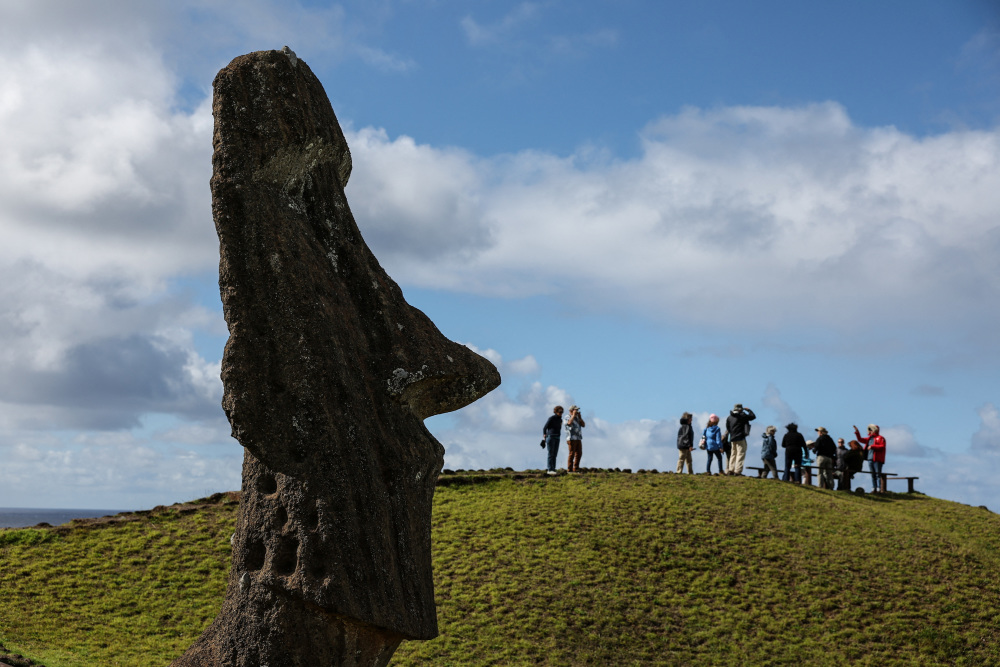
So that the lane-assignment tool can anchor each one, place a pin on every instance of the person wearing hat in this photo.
(769, 452)
(875, 446)
(826, 457)
(574, 438)
(841, 466)
(793, 443)
(737, 430)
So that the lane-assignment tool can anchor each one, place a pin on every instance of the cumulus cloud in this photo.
(526, 365)
(987, 438)
(772, 399)
(103, 204)
(900, 440)
(791, 217)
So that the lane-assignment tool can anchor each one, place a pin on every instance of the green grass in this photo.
(600, 568)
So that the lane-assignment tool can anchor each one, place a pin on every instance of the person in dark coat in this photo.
(841, 464)
(551, 431)
(738, 428)
(854, 461)
(685, 442)
(826, 457)
(793, 443)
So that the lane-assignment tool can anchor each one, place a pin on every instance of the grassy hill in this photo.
(600, 568)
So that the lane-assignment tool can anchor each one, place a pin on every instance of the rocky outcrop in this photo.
(328, 377)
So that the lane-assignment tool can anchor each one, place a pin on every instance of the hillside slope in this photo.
(601, 568)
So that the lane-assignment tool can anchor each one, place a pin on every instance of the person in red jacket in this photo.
(875, 446)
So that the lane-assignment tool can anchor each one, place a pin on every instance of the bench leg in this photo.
(909, 486)
(883, 483)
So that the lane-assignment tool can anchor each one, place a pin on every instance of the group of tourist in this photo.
(835, 461)
(838, 461)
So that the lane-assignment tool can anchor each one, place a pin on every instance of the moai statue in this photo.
(328, 377)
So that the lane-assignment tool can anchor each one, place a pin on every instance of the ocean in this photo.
(22, 517)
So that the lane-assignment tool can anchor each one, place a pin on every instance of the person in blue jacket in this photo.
(712, 436)
(769, 452)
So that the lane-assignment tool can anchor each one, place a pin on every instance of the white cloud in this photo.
(479, 34)
(901, 441)
(987, 438)
(114, 188)
(116, 470)
(526, 365)
(103, 202)
(772, 399)
(773, 217)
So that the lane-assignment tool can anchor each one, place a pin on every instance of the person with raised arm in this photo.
(738, 428)
(574, 438)
(875, 447)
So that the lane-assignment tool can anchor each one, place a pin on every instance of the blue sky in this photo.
(642, 207)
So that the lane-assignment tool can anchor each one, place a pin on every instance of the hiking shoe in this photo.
(551, 472)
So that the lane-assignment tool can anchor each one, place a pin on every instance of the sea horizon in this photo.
(25, 517)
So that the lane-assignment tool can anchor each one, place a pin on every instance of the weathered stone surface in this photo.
(328, 376)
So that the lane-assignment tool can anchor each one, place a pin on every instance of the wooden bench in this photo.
(909, 482)
(807, 476)
(806, 473)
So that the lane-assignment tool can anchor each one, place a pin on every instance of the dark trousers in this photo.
(552, 444)
(797, 460)
(718, 453)
(844, 481)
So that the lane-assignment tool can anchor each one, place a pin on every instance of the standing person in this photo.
(769, 452)
(685, 441)
(826, 457)
(738, 428)
(574, 438)
(551, 431)
(793, 444)
(713, 443)
(841, 464)
(875, 446)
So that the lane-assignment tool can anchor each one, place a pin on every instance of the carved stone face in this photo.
(328, 372)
